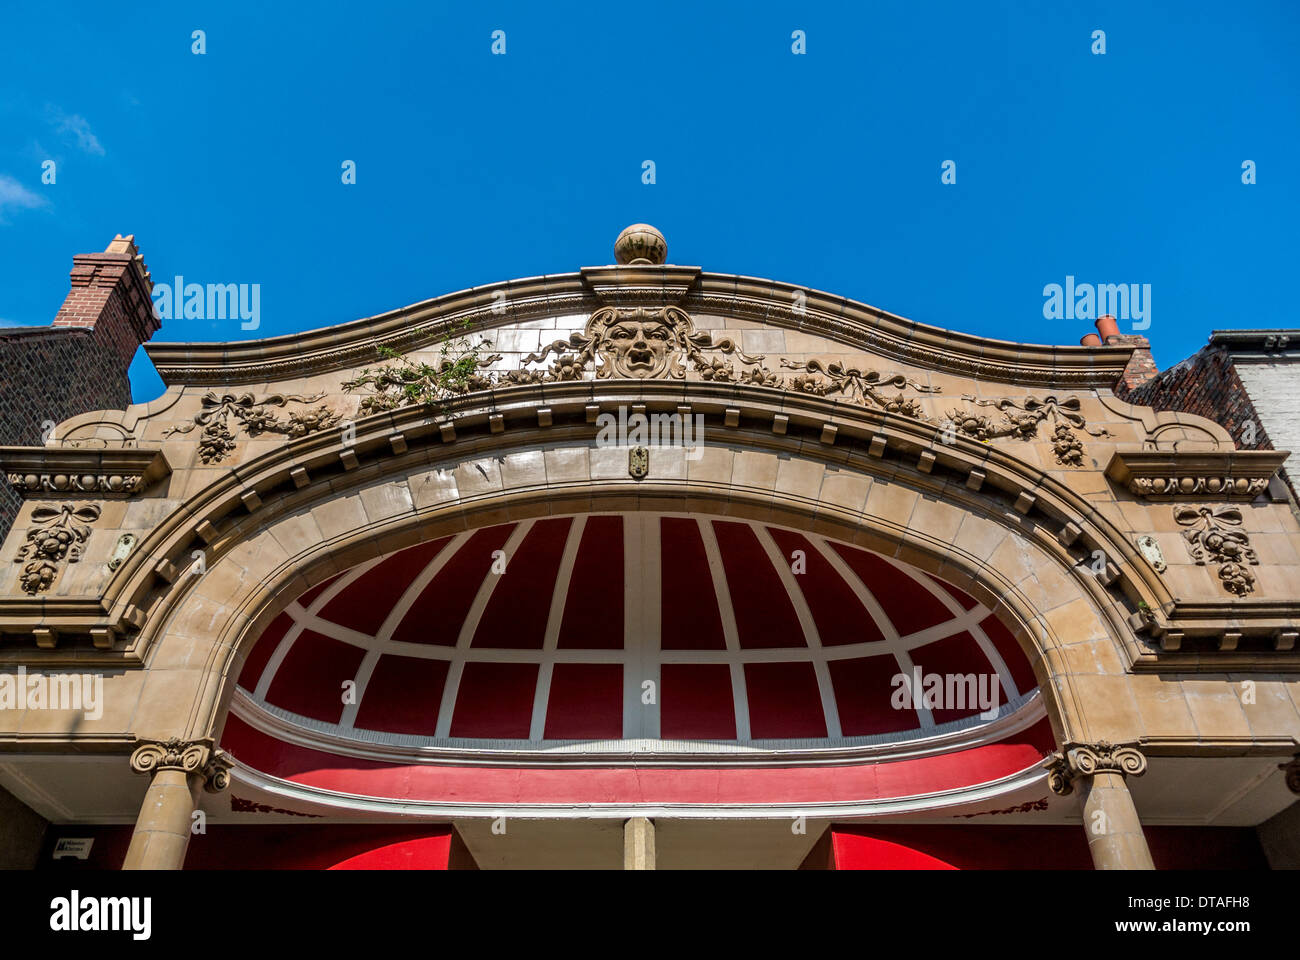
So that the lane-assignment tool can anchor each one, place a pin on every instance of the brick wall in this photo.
(80, 362)
(1141, 366)
(1207, 385)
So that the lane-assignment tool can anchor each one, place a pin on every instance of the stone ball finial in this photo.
(640, 244)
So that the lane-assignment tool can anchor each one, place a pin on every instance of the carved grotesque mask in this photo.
(639, 345)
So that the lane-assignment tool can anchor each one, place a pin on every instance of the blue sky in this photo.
(821, 169)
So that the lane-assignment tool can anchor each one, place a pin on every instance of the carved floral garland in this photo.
(217, 440)
(58, 536)
(1212, 539)
(644, 343)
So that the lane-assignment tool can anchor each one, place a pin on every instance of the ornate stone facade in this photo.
(1134, 558)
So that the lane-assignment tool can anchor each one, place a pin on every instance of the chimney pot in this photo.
(1107, 327)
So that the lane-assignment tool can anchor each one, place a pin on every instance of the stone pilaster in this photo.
(178, 770)
(1115, 837)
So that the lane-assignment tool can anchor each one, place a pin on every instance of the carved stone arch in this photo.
(292, 542)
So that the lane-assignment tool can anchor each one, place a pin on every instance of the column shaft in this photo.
(162, 831)
(1115, 837)
(639, 844)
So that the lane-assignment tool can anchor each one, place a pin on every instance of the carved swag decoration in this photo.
(1022, 419)
(217, 441)
(1212, 539)
(58, 536)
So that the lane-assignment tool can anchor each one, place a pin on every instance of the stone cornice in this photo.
(51, 472)
(1268, 344)
(1209, 475)
(854, 324)
(1272, 624)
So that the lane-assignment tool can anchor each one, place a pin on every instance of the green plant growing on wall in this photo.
(404, 382)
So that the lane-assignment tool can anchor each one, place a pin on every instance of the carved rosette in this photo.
(192, 757)
(1088, 759)
(57, 536)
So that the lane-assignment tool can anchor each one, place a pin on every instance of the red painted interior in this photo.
(586, 702)
(441, 608)
(690, 620)
(310, 680)
(863, 692)
(836, 610)
(1023, 847)
(305, 845)
(514, 622)
(696, 702)
(593, 610)
(765, 618)
(403, 696)
(911, 607)
(1014, 658)
(308, 845)
(368, 600)
(422, 853)
(494, 700)
(956, 654)
(783, 701)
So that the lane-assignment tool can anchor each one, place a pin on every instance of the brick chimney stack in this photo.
(111, 296)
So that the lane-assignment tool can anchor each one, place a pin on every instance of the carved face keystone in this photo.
(640, 346)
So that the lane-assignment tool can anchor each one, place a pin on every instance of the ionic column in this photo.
(178, 770)
(1115, 837)
(639, 844)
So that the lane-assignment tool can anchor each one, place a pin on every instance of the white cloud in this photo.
(14, 196)
(77, 126)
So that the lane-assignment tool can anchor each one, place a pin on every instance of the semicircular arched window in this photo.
(635, 632)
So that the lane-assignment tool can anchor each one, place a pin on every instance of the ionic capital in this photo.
(1087, 759)
(193, 757)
